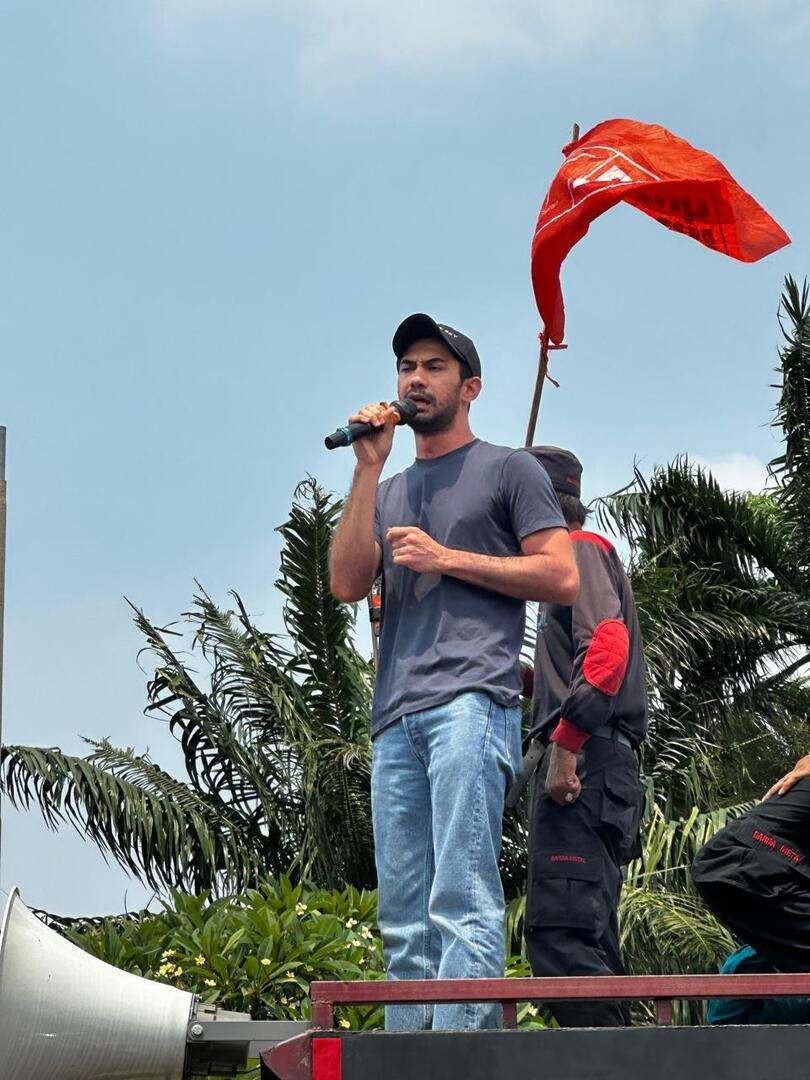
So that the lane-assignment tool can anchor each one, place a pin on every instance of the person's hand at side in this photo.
(562, 782)
(374, 449)
(798, 772)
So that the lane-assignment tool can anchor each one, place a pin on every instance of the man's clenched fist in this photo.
(562, 782)
(413, 548)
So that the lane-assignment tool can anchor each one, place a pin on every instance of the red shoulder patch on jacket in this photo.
(606, 658)
(591, 538)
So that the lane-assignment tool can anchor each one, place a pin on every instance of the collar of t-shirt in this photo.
(427, 463)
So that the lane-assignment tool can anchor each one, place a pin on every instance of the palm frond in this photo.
(792, 467)
(162, 839)
(336, 679)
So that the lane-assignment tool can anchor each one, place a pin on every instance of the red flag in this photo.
(648, 167)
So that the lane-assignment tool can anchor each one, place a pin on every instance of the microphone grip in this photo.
(345, 436)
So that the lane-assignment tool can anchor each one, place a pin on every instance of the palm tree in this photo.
(792, 467)
(276, 745)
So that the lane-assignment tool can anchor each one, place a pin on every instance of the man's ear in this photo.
(470, 389)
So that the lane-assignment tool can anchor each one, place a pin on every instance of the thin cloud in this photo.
(340, 44)
(736, 471)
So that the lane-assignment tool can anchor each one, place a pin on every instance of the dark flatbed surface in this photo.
(663, 1053)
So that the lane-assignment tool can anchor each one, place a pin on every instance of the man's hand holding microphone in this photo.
(355, 559)
(368, 421)
(374, 448)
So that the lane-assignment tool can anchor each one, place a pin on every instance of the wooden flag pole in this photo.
(542, 368)
(542, 363)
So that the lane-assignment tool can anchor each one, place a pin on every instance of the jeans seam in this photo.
(425, 886)
(469, 1007)
(426, 928)
(409, 739)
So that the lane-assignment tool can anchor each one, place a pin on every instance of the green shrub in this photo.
(258, 952)
(255, 953)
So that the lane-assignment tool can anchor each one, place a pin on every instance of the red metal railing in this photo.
(660, 989)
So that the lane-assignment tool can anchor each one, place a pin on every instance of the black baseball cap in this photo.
(419, 326)
(563, 467)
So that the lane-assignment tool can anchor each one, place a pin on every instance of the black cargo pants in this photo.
(576, 855)
(755, 877)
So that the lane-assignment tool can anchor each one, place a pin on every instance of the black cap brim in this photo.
(415, 328)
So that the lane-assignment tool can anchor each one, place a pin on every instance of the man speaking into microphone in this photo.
(463, 538)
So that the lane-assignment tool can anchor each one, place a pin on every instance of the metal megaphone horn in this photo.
(67, 1014)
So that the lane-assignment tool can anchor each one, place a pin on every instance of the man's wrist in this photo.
(569, 737)
(450, 560)
(368, 469)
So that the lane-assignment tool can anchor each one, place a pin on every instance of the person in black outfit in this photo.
(589, 711)
(755, 873)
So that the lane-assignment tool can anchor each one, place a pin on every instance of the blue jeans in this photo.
(438, 782)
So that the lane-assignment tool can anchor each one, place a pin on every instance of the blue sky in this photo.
(213, 213)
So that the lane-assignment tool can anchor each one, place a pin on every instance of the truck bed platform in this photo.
(663, 1052)
(651, 1053)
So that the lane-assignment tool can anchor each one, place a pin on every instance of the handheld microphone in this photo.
(345, 436)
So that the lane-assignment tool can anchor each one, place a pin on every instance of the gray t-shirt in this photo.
(441, 636)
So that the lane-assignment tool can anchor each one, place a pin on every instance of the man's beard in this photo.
(438, 420)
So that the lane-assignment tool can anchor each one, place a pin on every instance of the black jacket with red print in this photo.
(589, 664)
